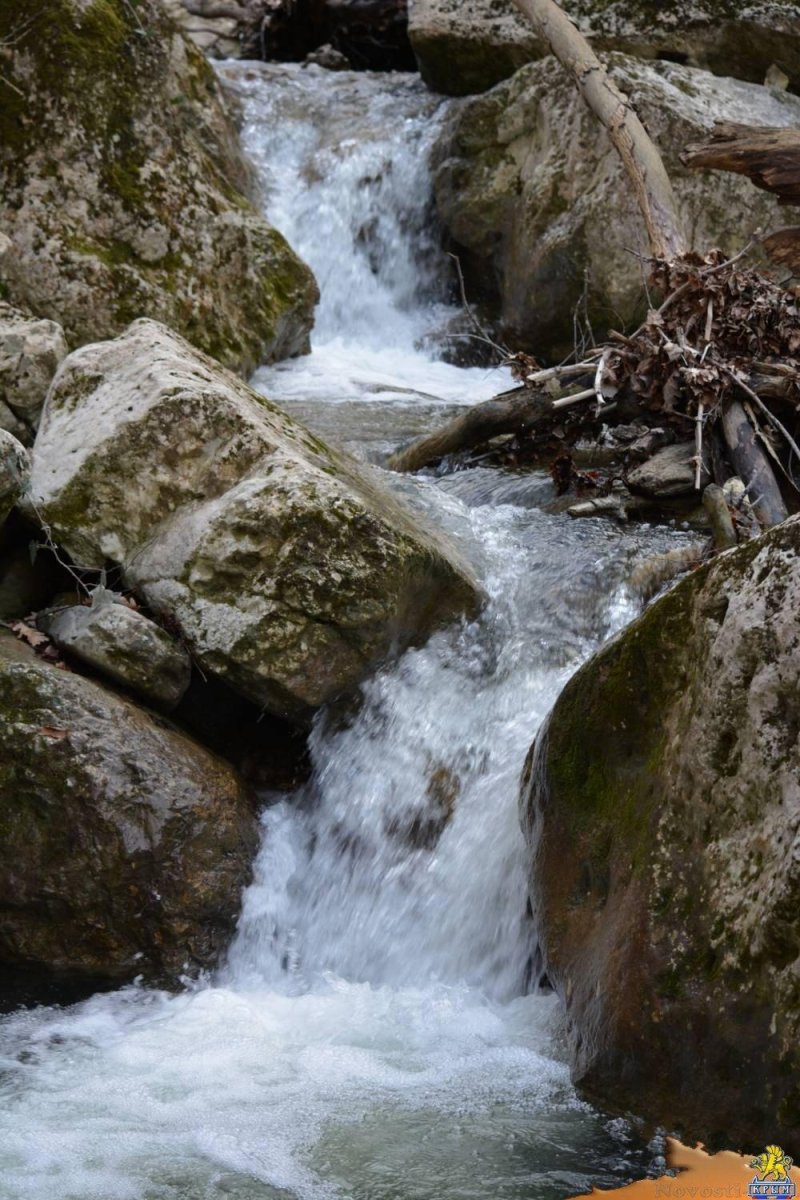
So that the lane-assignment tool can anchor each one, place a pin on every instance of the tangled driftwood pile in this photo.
(716, 363)
(710, 381)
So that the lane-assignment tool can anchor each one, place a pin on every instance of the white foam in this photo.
(369, 1037)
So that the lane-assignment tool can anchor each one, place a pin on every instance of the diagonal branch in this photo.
(641, 159)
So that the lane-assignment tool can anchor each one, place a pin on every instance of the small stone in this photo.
(31, 351)
(613, 505)
(124, 645)
(329, 58)
(670, 472)
(776, 78)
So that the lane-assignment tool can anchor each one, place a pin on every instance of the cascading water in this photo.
(370, 1036)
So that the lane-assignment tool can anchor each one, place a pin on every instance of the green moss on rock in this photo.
(123, 187)
(287, 566)
(661, 808)
(533, 194)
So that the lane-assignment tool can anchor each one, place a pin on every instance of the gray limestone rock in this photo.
(535, 198)
(670, 472)
(30, 353)
(467, 46)
(124, 645)
(289, 568)
(124, 192)
(661, 804)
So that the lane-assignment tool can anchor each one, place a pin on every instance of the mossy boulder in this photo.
(288, 568)
(122, 187)
(462, 48)
(124, 845)
(542, 215)
(661, 805)
(467, 46)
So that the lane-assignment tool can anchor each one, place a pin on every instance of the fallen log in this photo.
(783, 247)
(517, 411)
(769, 157)
(750, 464)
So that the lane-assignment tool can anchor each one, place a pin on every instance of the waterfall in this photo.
(371, 1034)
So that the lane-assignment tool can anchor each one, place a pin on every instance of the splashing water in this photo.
(370, 1035)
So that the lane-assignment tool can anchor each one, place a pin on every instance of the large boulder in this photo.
(662, 810)
(122, 187)
(124, 845)
(31, 351)
(467, 46)
(542, 215)
(287, 567)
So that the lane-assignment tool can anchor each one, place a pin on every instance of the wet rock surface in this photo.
(662, 810)
(670, 472)
(125, 845)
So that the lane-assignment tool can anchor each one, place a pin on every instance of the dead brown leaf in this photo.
(29, 635)
(54, 735)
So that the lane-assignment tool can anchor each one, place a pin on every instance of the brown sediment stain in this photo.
(702, 1176)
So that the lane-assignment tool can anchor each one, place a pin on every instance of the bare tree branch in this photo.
(641, 159)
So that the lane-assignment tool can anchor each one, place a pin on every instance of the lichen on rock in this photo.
(467, 46)
(15, 468)
(535, 198)
(124, 190)
(289, 569)
(123, 645)
(30, 353)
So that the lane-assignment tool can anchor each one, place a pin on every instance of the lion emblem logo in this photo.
(773, 1164)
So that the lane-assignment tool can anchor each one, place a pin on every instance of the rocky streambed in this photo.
(265, 705)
